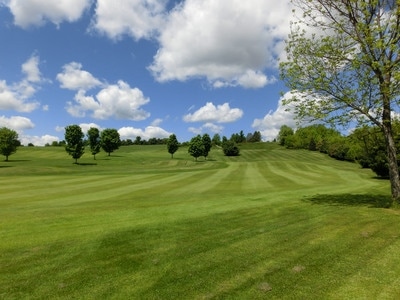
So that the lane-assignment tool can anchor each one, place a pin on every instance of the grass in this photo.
(271, 223)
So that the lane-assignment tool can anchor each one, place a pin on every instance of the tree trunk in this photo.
(392, 161)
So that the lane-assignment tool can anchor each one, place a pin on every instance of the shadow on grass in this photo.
(87, 164)
(374, 201)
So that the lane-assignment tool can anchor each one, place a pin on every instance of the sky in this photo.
(147, 68)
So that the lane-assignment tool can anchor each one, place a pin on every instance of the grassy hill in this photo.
(271, 223)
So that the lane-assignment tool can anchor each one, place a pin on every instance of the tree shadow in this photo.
(373, 201)
(15, 160)
(87, 164)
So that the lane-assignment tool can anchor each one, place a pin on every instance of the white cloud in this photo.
(31, 69)
(157, 122)
(147, 133)
(119, 101)
(208, 127)
(270, 125)
(74, 78)
(229, 42)
(218, 114)
(37, 12)
(16, 123)
(17, 96)
(86, 126)
(136, 18)
(38, 140)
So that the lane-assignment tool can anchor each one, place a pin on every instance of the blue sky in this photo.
(147, 68)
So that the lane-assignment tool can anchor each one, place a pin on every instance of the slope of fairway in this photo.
(271, 223)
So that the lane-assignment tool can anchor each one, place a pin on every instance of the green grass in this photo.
(271, 223)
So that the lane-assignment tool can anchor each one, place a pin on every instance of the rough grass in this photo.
(271, 223)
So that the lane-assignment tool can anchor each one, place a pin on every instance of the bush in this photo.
(230, 148)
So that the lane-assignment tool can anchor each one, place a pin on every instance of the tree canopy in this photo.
(343, 65)
(196, 147)
(8, 142)
(110, 140)
(74, 141)
(172, 145)
(93, 135)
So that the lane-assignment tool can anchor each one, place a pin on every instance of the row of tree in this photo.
(365, 145)
(108, 140)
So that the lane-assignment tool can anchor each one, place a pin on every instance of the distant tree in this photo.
(284, 132)
(93, 135)
(110, 140)
(216, 140)
(196, 147)
(172, 145)
(74, 141)
(206, 144)
(8, 142)
(230, 149)
(138, 140)
(31, 145)
(254, 138)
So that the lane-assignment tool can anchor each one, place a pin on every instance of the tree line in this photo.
(365, 145)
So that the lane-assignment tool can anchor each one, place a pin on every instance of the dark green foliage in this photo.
(8, 142)
(230, 149)
(74, 141)
(206, 144)
(216, 139)
(238, 137)
(172, 145)
(284, 133)
(110, 140)
(254, 137)
(196, 147)
(93, 135)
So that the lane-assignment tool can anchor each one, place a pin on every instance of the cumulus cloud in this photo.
(136, 18)
(16, 123)
(17, 96)
(20, 124)
(119, 101)
(31, 69)
(270, 125)
(229, 42)
(74, 78)
(86, 126)
(37, 12)
(209, 127)
(146, 134)
(38, 140)
(214, 114)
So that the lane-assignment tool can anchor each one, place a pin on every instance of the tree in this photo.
(284, 132)
(196, 147)
(172, 145)
(8, 142)
(350, 70)
(93, 135)
(110, 140)
(207, 144)
(216, 139)
(74, 141)
(230, 149)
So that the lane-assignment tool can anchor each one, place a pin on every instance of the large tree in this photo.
(93, 135)
(343, 65)
(8, 142)
(74, 141)
(110, 140)
(172, 144)
(196, 147)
